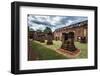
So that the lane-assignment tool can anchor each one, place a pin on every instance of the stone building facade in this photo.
(80, 29)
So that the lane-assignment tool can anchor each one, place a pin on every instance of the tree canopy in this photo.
(39, 30)
(47, 30)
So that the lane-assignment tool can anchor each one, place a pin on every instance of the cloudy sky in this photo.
(41, 21)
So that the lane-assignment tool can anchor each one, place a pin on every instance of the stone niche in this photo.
(83, 40)
(68, 41)
(56, 38)
(49, 38)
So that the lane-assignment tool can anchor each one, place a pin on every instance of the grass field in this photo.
(84, 49)
(47, 52)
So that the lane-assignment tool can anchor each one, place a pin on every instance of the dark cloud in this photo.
(54, 21)
(43, 23)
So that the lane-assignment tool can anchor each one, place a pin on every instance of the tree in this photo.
(31, 29)
(47, 30)
(38, 30)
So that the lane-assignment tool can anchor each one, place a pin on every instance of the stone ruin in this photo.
(57, 38)
(49, 38)
(42, 37)
(31, 35)
(83, 40)
(39, 36)
(68, 41)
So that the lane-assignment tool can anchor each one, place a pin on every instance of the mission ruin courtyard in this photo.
(68, 42)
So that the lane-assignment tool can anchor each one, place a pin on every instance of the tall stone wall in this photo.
(79, 31)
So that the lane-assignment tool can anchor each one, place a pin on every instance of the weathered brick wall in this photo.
(78, 31)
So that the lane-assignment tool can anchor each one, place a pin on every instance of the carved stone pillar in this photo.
(68, 41)
(49, 38)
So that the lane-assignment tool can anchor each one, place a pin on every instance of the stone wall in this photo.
(79, 29)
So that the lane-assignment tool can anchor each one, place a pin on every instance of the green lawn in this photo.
(84, 49)
(47, 52)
